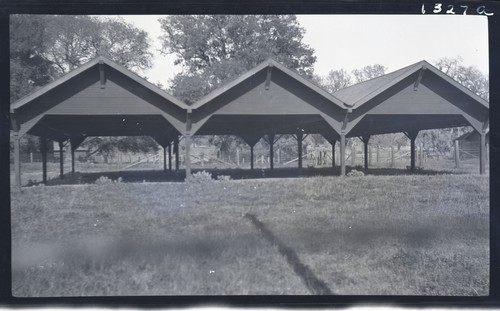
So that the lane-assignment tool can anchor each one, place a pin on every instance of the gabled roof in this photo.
(101, 59)
(268, 63)
(355, 93)
(358, 94)
(466, 135)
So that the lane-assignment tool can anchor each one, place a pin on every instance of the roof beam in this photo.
(13, 123)
(268, 77)
(76, 141)
(486, 123)
(102, 74)
(419, 78)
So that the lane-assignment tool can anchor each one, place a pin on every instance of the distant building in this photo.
(468, 144)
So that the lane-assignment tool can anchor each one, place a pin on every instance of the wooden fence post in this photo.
(421, 155)
(342, 154)
(333, 153)
(238, 156)
(457, 154)
(353, 155)
(392, 156)
(482, 154)
(43, 147)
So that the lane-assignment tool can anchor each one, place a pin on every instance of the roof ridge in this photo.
(268, 62)
(401, 70)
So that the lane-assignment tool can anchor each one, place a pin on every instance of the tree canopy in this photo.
(214, 49)
(340, 78)
(470, 77)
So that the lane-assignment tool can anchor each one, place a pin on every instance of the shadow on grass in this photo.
(179, 176)
(315, 285)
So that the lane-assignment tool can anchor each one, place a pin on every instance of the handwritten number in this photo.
(465, 7)
(437, 8)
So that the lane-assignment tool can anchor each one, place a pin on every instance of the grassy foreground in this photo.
(389, 235)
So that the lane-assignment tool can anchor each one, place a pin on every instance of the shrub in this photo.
(223, 178)
(104, 180)
(200, 177)
(355, 173)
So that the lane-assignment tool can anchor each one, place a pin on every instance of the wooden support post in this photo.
(412, 135)
(342, 154)
(61, 160)
(170, 156)
(43, 150)
(365, 140)
(333, 153)
(176, 151)
(369, 155)
(187, 158)
(251, 157)
(271, 150)
(299, 149)
(17, 160)
(72, 160)
(457, 154)
(353, 155)
(482, 154)
(378, 153)
(74, 142)
(393, 162)
(412, 154)
(164, 159)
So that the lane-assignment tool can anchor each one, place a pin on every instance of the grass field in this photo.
(380, 235)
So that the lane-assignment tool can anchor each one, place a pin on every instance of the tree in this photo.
(77, 39)
(107, 146)
(29, 68)
(214, 49)
(368, 72)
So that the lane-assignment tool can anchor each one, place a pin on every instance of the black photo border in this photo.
(96, 7)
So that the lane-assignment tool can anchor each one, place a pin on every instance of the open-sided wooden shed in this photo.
(100, 98)
(269, 100)
(417, 97)
(469, 144)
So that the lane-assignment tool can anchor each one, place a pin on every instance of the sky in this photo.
(354, 41)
